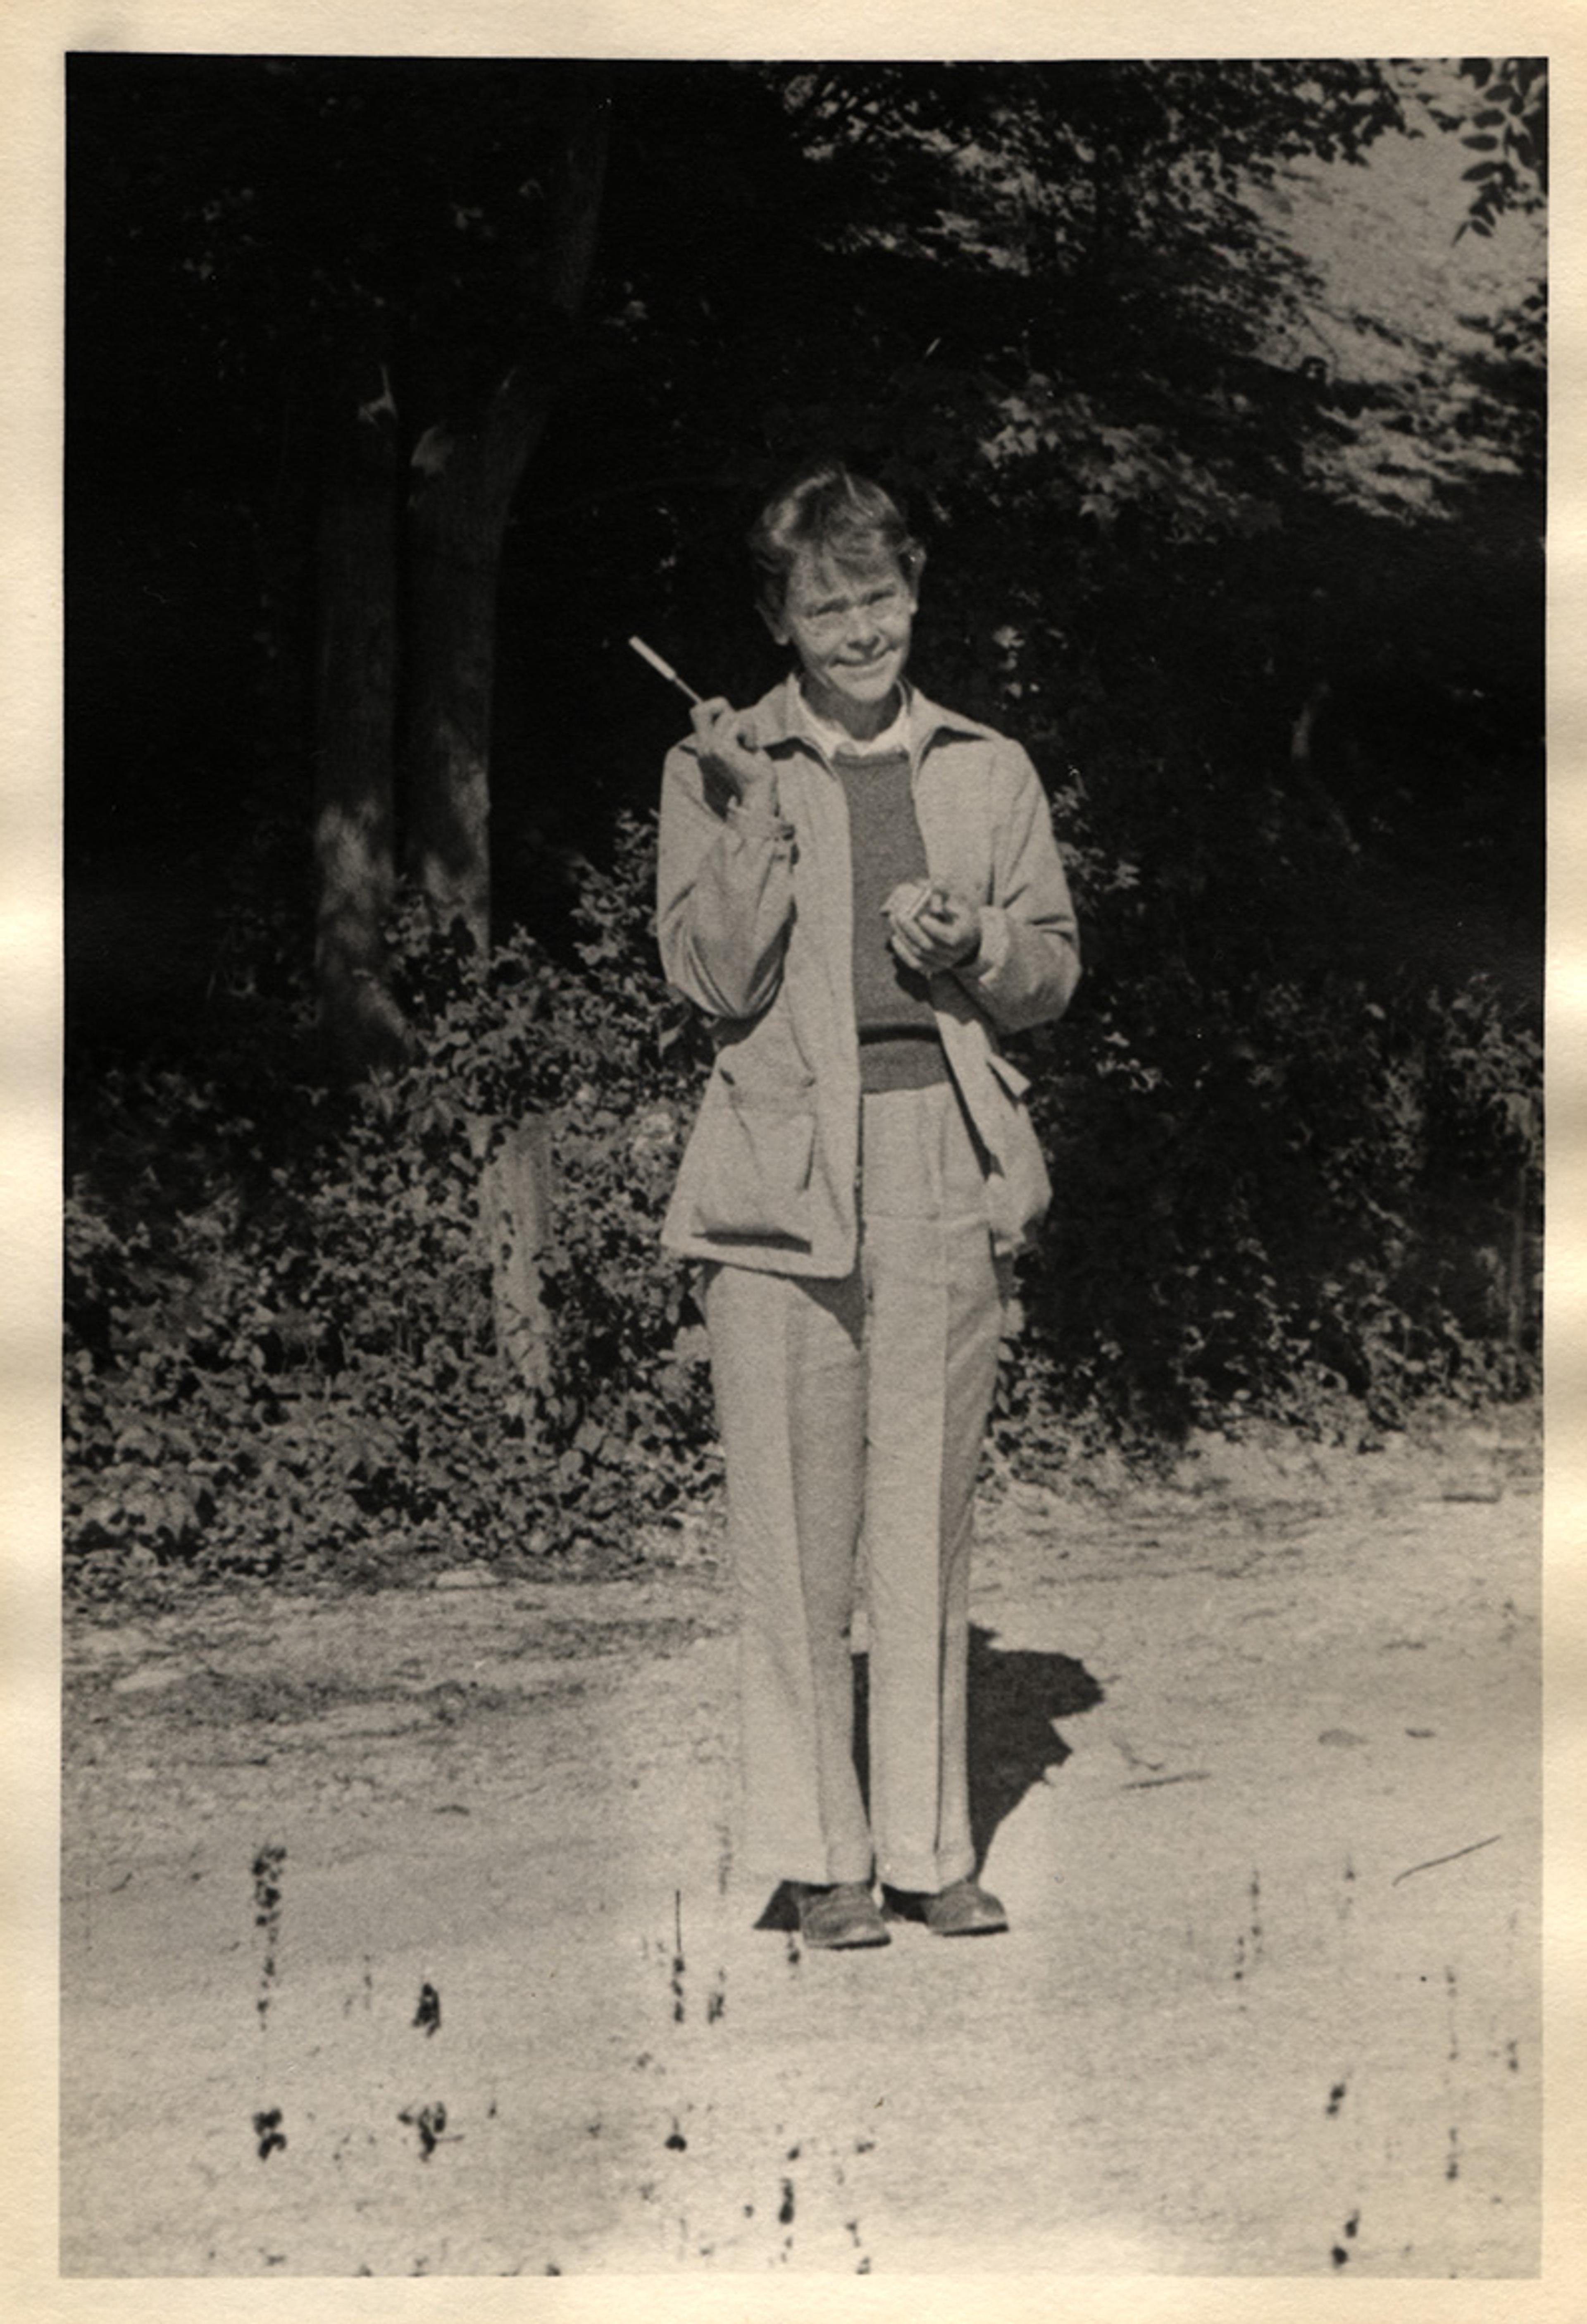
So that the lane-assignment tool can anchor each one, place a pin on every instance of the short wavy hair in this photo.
(828, 509)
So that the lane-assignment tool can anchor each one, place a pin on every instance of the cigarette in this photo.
(649, 654)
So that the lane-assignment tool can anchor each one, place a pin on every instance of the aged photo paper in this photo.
(34, 38)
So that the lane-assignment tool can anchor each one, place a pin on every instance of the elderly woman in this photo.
(863, 892)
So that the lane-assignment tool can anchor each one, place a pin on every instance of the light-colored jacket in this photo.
(755, 914)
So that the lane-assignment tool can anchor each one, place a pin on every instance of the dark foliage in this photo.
(1278, 1198)
(279, 1315)
(1272, 635)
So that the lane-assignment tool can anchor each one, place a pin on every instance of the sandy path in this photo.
(1234, 2028)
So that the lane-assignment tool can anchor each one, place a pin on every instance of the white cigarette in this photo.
(665, 669)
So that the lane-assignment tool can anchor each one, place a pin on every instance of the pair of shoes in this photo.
(839, 1917)
(964, 1909)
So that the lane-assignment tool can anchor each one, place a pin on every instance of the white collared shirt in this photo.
(834, 741)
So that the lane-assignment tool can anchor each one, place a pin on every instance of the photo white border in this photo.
(34, 37)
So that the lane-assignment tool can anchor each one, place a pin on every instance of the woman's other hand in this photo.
(730, 754)
(933, 925)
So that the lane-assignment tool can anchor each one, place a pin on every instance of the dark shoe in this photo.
(838, 1918)
(964, 1909)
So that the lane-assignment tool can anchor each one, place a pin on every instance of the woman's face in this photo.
(850, 625)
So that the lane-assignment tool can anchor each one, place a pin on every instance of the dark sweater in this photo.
(899, 1047)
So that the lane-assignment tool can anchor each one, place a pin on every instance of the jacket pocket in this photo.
(755, 1156)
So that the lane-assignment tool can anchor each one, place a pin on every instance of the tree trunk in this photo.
(354, 722)
(1304, 777)
(516, 1216)
(458, 512)
(464, 485)
(465, 482)
(457, 518)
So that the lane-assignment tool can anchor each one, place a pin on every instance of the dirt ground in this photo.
(403, 1934)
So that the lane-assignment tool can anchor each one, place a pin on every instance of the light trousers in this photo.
(856, 1410)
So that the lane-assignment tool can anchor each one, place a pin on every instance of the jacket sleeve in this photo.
(725, 894)
(1028, 962)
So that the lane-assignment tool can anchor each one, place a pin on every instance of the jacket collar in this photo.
(782, 725)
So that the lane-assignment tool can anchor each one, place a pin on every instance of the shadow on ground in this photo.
(1016, 1699)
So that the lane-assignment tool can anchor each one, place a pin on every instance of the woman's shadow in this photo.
(1016, 1698)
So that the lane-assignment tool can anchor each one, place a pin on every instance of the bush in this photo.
(281, 1345)
(1301, 1194)
(1307, 1196)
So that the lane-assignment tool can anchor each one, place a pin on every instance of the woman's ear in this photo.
(775, 623)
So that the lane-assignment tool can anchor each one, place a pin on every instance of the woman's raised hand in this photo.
(730, 751)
